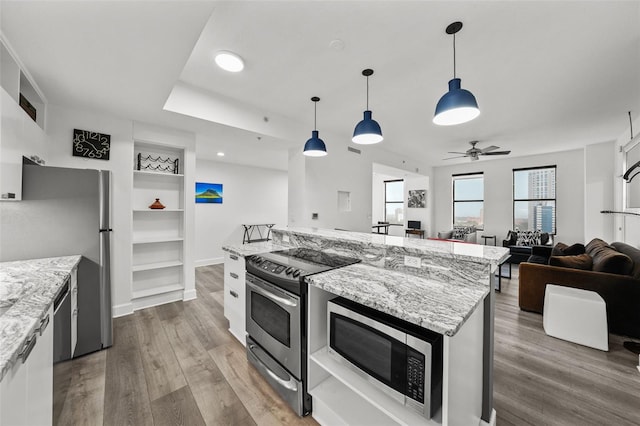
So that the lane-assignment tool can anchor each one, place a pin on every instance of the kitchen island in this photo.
(441, 286)
(28, 289)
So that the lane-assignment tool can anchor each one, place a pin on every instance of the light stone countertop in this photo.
(27, 290)
(439, 306)
(244, 250)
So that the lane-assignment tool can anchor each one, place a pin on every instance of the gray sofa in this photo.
(467, 234)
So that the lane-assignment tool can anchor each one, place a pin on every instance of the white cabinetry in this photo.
(158, 274)
(234, 295)
(20, 134)
(26, 391)
(74, 309)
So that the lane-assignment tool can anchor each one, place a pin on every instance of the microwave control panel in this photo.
(415, 376)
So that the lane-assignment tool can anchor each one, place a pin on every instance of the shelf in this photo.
(158, 240)
(157, 265)
(334, 403)
(147, 173)
(157, 210)
(157, 290)
(355, 385)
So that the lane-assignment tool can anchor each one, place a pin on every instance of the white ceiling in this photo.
(548, 76)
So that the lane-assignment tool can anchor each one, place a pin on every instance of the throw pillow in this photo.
(460, 231)
(579, 261)
(561, 249)
(528, 238)
(445, 235)
(609, 260)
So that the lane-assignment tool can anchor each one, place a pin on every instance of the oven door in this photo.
(273, 321)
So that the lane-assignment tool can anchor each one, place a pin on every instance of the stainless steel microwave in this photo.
(400, 358)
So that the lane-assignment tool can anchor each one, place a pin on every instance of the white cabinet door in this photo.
(26, 391)
(234, 295)
(40, 375)
(74, 310)
(10, 148)
(13, 396)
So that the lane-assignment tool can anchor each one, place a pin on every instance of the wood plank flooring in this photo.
(177, 364)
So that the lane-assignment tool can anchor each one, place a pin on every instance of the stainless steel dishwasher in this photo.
(61, 349)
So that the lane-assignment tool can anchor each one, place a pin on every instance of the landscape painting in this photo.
(208, 193)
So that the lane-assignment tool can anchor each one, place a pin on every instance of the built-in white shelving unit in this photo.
(158, 240)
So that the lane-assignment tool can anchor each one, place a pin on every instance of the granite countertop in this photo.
(477, 253)
(27, 290)
(439, 306)
(244, 250)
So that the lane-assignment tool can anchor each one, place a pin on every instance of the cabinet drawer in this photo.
(233, 263)
(234, 299)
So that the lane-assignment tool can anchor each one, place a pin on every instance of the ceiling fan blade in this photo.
(489, 148)
(496, 153)
(454, 152)
(451, 158)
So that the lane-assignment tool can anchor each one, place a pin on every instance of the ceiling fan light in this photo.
(457, 106)
(315, 147)
(367, 131)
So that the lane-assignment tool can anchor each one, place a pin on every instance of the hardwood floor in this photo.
(177, 364)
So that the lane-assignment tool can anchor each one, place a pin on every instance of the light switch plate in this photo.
(412, 261)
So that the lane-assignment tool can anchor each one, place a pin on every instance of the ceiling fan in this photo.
(474, 152)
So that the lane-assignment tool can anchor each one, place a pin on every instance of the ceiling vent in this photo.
(354, 150)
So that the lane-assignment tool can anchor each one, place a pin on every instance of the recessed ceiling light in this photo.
(229, 61)
(221, 154)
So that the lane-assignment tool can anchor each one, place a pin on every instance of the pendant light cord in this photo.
(368, 94)
(315, 111)
(631, 125)
(454, 55)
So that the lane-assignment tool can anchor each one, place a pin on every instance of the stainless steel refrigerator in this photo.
(65, 212)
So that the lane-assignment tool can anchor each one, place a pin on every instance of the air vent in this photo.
(354, 150)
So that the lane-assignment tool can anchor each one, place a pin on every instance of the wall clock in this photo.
(91, 144)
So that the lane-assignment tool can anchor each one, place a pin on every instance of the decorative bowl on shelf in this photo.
(157, 205)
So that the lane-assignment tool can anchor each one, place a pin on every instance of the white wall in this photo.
(626, 227)
(314, 184)
(599, 168)
(498, 193)
(250, 195)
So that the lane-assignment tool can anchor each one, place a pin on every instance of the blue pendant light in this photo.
(458, 105)
(368, 130)
(315, 147)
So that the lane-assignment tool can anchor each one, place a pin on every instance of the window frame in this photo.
(555, 191)
(401, 202)
(453, 196)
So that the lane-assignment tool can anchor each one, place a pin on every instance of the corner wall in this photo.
(251, 195)
(498, 193)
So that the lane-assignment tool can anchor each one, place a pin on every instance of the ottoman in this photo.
(579, 316)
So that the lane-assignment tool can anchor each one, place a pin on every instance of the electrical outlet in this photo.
(285, 238)
(412, 261)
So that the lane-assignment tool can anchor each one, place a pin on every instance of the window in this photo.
(468, 200)
(534, 199)
(394, 201)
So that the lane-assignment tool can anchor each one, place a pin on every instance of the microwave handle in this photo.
(277, 299)
(288, 384)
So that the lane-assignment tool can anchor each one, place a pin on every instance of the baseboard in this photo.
(492, 420)
(122, 310)
(189, 295)
(207, 262)
(157, 299)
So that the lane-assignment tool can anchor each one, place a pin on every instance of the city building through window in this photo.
(394, 201)
(468, 200)
(534, 199)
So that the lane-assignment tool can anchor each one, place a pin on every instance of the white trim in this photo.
(211, 261)
(157, 299)
(122, 310)
(189, 294)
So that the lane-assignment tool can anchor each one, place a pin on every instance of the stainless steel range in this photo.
(276, 317)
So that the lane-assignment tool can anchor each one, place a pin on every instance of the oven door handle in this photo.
(277, 299)
(287, 384)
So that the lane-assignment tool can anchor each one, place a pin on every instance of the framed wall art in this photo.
(208, 193)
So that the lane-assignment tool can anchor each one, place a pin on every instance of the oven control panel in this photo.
(274, 267)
